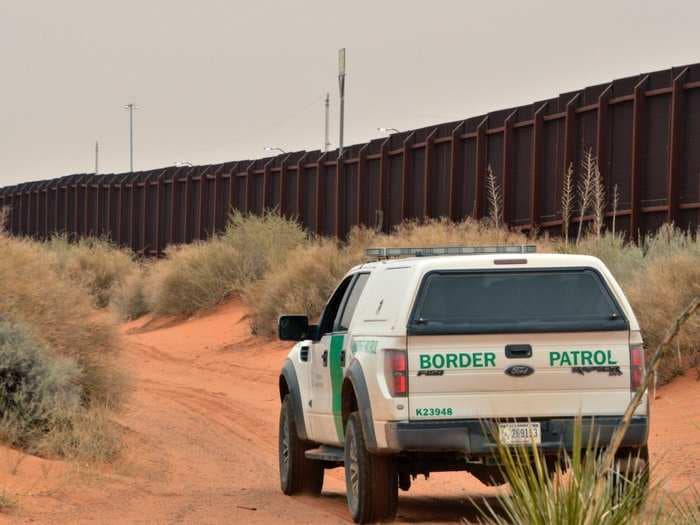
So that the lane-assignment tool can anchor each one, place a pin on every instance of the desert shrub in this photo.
(93, 263)
(87, 434)
(192, 278)
(199, 276)
(60, 315)
(658, 293)
(443, 232)
(302, 284)
(36, 389)
(261, 242)
(624, 259)
(129, 299)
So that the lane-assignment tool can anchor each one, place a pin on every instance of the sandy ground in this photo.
(201, 442)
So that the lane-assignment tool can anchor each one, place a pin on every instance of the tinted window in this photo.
(351, 303)
(515, 301)
(331, 310)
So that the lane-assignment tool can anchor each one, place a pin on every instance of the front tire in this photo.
(298, 474)
(372, 481)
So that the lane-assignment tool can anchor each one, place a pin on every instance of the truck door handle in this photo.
(324, 357)
(518, 351)
(304, 353)
(342, 358)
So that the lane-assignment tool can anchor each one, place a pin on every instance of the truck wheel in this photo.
(372, 481)
(298, 474)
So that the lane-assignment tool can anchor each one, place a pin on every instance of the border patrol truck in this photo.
(424, 358)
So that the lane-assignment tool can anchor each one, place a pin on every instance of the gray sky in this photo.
(219, 80)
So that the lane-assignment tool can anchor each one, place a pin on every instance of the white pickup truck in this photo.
(418, 352)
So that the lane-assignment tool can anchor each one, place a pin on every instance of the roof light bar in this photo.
(388, 253)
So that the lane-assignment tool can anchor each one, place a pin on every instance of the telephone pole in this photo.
(326, 141)
(131, 107)
(341, 86)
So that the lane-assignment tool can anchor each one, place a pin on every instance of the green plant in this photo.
(37, 391)
(60, 315)
(544, 491)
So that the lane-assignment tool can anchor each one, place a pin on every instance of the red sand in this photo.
(201, 442)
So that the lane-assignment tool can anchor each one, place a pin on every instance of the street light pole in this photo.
(131, 107)
(97, 158)
(341, 85)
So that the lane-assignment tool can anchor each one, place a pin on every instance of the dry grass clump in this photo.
(96, 264)
(129, 299)
(659, 290)
(199, 276)
(302, 284)
(59, 317)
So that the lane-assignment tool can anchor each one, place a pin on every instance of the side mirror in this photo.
(295, 328)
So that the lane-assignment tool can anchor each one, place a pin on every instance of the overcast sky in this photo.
(219, 80)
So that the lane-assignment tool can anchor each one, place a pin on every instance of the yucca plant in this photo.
(567, 492)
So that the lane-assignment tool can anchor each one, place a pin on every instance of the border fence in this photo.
(644, 131)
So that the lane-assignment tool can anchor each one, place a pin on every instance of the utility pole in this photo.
(97, 158)
(341, 85)
(326, 141)
(131, 107)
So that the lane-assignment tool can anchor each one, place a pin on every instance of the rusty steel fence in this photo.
(644, 130)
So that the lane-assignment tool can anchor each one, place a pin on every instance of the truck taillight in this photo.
(396, 372)
(636, 366)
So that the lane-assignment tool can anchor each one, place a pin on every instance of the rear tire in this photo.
(298, 474)
(372, 481)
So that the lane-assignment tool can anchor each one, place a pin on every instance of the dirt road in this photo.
(201, 437)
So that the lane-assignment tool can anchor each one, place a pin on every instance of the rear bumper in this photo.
(471, 436)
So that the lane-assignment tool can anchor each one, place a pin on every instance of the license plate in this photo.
(519, 433)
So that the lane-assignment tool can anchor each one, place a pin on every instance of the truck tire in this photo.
(372, 481)
(298, 474)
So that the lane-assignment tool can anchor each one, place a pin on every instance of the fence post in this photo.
(300, 170)
(636, 164)
(675, 146)
(339, 189)
(320, 185)
(506, 166)
(455, 163)
(428, 172)
(384, 185)
(362, 192)
(536, 170)
(283, 185)
(406, 166)
(480, 174)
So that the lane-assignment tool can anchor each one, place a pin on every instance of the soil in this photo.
(200, 432)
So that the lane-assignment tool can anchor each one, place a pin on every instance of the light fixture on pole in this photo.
(274, 148)
(388, 130)
(183, 163)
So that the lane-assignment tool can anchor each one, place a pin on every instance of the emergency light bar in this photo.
(389, 253)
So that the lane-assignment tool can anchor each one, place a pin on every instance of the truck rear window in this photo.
(468, 302)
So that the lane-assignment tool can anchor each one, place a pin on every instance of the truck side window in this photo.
(343, 323)
(333, 305)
